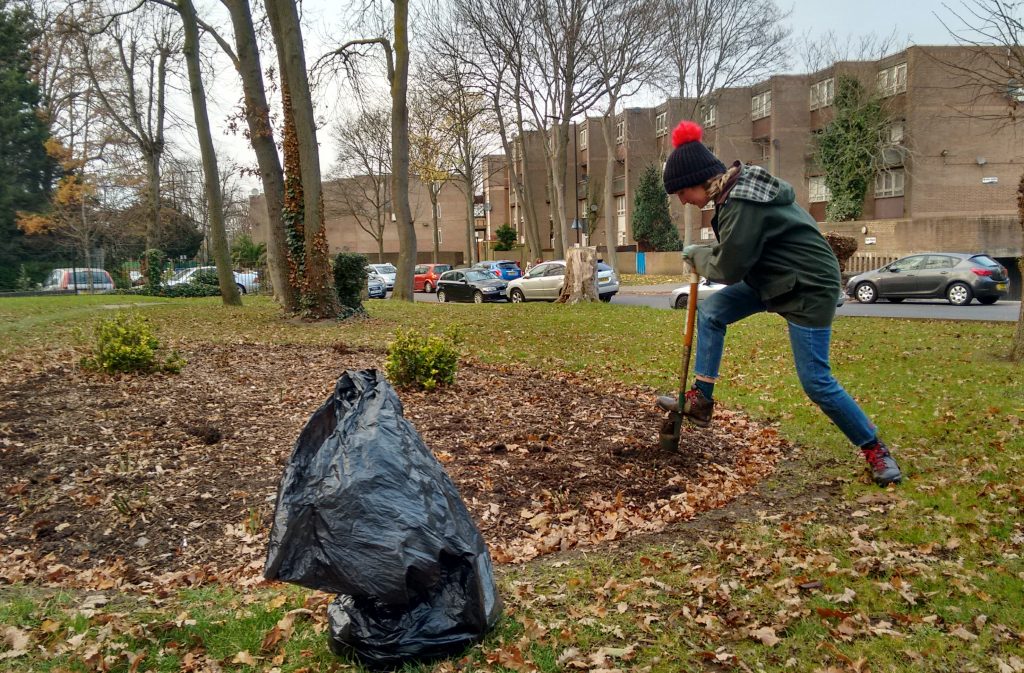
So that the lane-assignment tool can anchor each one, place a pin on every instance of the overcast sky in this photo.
(914, 21)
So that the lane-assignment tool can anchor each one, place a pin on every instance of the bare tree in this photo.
(261, 136)
(364, 168)
(724, 43)
(127, 57)
(431, 150)
(211, 175)
(819, 50)
(319, 299)
(562, 83)
(992, 33)
(629, 51)
(489, 38)
(393, 40)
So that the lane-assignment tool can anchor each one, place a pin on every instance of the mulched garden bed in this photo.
(140, 480)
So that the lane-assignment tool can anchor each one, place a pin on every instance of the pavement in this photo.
(660, 288)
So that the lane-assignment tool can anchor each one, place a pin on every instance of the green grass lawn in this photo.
(827, 572)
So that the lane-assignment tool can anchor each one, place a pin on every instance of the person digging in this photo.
(772, 256)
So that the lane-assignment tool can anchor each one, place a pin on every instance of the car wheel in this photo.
(441, 297)
(478, 297)
(517, 296)
(866, 293)
(987, 301)
(606, 298)
(959, 294)
(896, 300)
(427, 287)
(681, 301)
(241, 288)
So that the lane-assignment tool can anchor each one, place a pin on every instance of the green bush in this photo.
(153, 269)
(423, 361)
(127, 343)
(350, 279)
(507, 237)
(205, 277)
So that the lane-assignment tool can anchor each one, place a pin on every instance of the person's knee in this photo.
(710, 313)
(819, 387)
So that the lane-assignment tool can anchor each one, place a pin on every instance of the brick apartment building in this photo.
(952, 159)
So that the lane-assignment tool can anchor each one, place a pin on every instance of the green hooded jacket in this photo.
(775, 246)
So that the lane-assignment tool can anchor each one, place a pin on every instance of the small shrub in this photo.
(205, 277)
(127, 343)
(350, 279)
(423, 361)
(153, 269)
(507, 237)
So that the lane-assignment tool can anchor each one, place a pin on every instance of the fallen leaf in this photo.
(766, 635)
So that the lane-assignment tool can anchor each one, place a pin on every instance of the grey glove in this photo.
(689, 250)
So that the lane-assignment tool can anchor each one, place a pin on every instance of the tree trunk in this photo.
(218, 237)
(435, 190)
(557, 173)
(471, 254)
(261, 136)
(319, 299)
(1017, 348)
(400, 155)
(153, 225)
(611, 218)
(580, 276)
(533, 247)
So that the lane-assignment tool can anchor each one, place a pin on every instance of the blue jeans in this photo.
(810, 347)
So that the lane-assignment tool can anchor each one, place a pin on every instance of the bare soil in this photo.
(117, 481)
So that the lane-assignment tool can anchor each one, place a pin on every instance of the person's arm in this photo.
(739, 246)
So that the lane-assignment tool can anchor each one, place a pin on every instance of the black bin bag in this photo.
(364, 510)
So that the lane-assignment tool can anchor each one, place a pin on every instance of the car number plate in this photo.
(1000, 286)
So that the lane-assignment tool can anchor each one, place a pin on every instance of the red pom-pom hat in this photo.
(691, 162)
(686, 132)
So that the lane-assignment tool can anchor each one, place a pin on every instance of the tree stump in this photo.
(580, 276)
(842, 246)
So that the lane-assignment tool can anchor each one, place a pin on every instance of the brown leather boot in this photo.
(696, 408)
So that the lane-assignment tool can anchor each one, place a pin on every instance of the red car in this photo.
(425, 276)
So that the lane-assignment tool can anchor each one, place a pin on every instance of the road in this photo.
(657, 296)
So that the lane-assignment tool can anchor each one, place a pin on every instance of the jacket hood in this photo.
(759, 186)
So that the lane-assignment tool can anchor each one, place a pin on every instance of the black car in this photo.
(476, 285)
(958, 277)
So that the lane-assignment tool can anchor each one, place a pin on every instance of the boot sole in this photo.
(698, 422)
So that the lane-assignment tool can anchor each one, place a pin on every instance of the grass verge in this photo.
(824, 572)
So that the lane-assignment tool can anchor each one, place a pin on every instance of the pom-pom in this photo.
(686, 132)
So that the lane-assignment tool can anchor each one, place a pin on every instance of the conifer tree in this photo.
(653, 228)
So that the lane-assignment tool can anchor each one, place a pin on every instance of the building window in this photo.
(889, 183)
(892, 80)
(661, 124)
(620, 131)
(894, 133)
(583, 137)
(620, 218)
(766, 149)
(817, 190)
(710, 114)
(438, 231)
(823, 93)
(761, 105)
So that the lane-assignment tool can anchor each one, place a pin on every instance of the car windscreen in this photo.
(385, 268)
(178, 275)
(508, 265)
(601, 266)
(441, 268)
(478, 275)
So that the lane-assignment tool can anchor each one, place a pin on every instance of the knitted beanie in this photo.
(691, 162)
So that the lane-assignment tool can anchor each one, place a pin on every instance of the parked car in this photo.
(544, 283)
(425, 276)
(80, 279)
(376, 287)
(958, 277)
(247, 281)
(506, 269)
(386, 271)
(476, 285)
(706, 288)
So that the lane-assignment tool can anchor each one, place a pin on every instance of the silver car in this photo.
(957, 277)
(706, 288)
(544, 283)
(386, 271)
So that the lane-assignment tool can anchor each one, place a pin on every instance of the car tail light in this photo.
(497, 272)
(981, 272)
